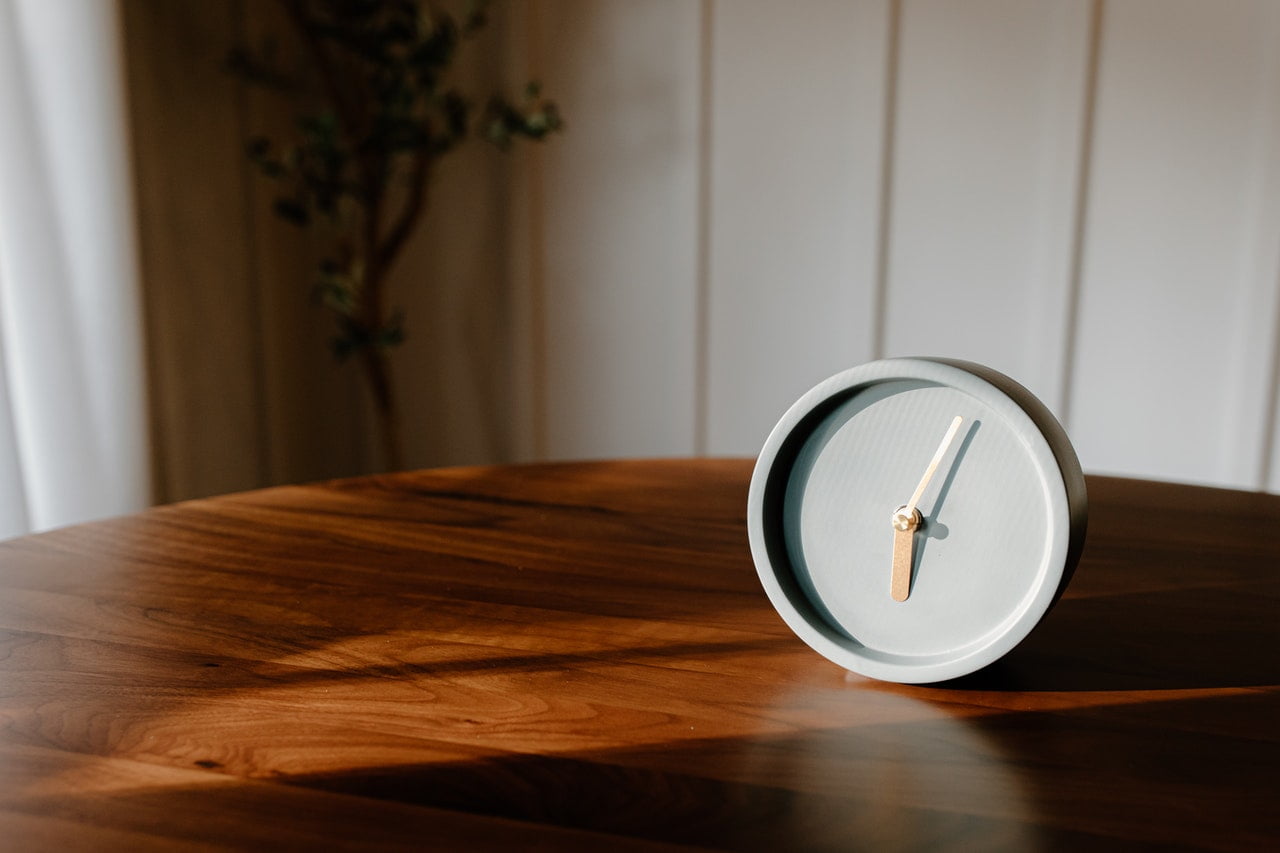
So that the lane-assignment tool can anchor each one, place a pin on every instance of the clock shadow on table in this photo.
(1172, 639)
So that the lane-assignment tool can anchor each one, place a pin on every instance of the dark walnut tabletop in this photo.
(580, 656)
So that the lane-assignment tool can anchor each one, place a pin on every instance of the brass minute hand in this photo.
(906, 520)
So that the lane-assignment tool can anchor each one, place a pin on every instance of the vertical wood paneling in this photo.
(991, 98)
(523, 348)
(795, 139)
(450, 283)
(619, 224)
(1252, 457)
(201, 313)
(1177, 309)
(311, 404)
(1263, 325)
(1244, 454)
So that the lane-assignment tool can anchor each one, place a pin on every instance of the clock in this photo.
(913, 519)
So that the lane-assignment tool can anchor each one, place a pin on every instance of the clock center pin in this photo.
(904, 520)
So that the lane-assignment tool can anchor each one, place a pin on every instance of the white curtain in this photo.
(73, 438)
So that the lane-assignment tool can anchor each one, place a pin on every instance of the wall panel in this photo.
(302, 386)
(208, 420)
(797, 104)
(450, 283)
(1177, 309)
(619, 229)
(987, 156)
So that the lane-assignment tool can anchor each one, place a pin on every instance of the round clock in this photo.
(913, 519)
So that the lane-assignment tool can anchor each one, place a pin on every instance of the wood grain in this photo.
(576, 656)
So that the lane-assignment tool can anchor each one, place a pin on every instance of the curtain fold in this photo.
(73, 438)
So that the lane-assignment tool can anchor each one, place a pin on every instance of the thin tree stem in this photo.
(378, 371)
(410, 213)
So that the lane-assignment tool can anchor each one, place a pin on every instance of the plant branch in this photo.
(409, 214)
(377, 369)
(372, 281)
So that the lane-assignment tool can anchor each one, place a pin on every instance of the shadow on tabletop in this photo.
(1184, 639)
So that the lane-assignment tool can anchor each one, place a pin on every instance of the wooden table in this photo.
(580, 657)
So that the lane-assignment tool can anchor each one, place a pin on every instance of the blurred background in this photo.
(748, 197)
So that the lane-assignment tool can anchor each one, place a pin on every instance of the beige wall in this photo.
(754, 195)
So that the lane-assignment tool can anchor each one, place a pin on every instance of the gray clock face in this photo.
(1001, 519)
